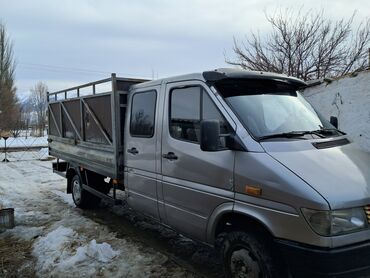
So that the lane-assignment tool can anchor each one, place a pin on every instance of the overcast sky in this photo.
(64, 43)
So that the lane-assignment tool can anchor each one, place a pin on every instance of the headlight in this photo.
(335, 222)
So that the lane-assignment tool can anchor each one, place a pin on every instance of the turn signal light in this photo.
(253, 190)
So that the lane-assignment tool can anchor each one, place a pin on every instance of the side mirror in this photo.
(334, 121)
(210, 135)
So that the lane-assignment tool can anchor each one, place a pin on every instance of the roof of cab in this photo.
(223, 73)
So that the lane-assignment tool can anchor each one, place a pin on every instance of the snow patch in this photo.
(56, 252)
(51, 248)
(23, 232)
(66, 198)
(102, 252)
(28, 218)
(4, 203)
(43, 153)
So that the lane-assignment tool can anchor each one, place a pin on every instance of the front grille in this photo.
(367, 211)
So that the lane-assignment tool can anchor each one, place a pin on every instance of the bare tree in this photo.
(38, 101)
(26, 116)
(306, 45)
(8, 100)
(18, 124)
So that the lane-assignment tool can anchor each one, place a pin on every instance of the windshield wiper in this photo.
(291, 134)
(322, 133)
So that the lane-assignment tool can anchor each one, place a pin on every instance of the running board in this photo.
(102, 195)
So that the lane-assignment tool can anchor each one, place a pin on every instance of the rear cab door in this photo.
(141, 136)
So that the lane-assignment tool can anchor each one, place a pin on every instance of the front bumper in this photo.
(310, 261)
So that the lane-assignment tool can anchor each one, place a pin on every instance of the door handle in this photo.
(133, 151)
(170, 156)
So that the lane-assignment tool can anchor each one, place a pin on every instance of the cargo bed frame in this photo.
(86, 124)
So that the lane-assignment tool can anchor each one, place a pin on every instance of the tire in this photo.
(81, 197)
(247, 255)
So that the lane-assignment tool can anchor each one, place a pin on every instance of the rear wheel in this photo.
(247, 255)
(81, 197)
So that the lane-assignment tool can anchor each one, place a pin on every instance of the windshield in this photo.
(268, 109)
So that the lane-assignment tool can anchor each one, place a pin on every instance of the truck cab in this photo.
(241, 161)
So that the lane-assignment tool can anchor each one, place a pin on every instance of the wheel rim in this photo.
(76, 189)
(244, 264)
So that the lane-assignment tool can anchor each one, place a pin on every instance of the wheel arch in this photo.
(225, 218)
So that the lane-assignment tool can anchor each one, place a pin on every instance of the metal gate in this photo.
(23, 148)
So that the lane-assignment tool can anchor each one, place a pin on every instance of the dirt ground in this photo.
(16, 259)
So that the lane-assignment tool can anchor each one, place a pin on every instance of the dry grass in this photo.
(15, 258)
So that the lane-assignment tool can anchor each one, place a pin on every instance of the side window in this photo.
(143, 114)
(185, 114)
(188, 107)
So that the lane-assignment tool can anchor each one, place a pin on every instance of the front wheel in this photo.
(81, 197)
(246, 255)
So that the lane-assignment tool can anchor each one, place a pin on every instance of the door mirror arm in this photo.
(233, 143)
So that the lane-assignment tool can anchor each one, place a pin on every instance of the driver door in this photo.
(195, 182)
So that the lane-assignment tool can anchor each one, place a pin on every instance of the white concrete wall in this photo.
(348, 98)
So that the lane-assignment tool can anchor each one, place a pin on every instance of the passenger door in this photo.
(194, 182)
(140, 148)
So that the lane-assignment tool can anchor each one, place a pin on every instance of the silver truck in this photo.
(235, 159)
